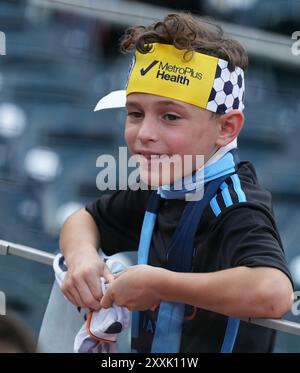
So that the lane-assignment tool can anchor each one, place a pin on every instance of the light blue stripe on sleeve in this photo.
(237, 188)
(226, 195)
(214, 206)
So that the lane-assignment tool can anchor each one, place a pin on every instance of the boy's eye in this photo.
(135, 114)
(171, 117)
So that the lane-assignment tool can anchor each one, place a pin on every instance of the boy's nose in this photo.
(147, 132)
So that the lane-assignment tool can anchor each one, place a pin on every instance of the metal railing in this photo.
(26, 252)
(9, 248)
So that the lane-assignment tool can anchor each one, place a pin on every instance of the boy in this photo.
(185, 96)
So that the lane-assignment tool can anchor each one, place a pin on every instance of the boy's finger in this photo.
(70, 298)
(94, 286)
(117, 275)
(72, 294)
(74, 297)
(106, 301)
(87, 297)
(109, 277)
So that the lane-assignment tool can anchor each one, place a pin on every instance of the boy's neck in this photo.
(220, 152)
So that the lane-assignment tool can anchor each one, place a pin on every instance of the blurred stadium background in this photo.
(62, 56)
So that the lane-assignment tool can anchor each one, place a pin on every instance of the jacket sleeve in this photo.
(119, 217)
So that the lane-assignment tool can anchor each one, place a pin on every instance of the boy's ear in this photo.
(230, 125)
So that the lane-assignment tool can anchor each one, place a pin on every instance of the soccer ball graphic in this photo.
(228, 91)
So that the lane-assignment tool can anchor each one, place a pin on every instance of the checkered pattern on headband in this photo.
(228, 91)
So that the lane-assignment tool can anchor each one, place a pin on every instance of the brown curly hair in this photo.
(185, 32)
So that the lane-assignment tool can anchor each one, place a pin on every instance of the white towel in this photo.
(100, 332)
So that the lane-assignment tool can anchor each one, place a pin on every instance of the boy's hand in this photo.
(82, 282)
(135, 288)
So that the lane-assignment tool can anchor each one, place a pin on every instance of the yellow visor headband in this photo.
(195, 78)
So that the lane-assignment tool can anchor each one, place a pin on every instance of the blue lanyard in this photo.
(167, 335)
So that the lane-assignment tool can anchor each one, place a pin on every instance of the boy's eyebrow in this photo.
(161, 102)
(169, 102)
(132, 103)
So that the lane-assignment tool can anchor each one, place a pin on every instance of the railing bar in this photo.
(281, 325)
(26, 252)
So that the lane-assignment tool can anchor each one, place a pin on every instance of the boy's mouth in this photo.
(151, 156)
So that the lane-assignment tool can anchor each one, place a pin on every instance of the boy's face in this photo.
(157, 126)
